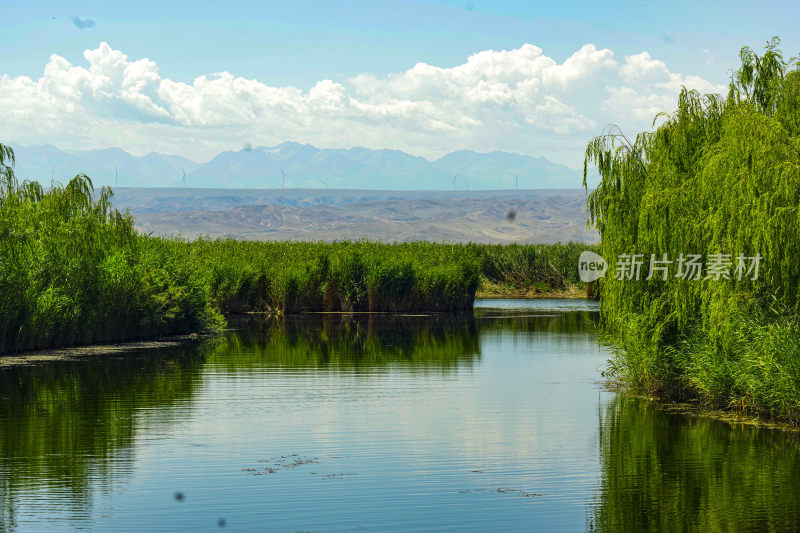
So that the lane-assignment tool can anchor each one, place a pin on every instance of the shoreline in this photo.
(729, 416)
(72, 353)
(489, 291)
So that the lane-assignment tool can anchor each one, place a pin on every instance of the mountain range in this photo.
(294, 165)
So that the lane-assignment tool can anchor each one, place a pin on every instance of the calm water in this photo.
(495, 421)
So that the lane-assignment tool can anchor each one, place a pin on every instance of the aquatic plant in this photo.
(551, 266)
(290, 277)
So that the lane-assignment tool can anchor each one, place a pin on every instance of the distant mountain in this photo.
(504, 169)
(111, 166)
(304, 165)
(45, 163)
(152, 170)
(295, 165)
(307, 166)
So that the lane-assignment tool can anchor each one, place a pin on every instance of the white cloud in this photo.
(517, 100)
(649, 88)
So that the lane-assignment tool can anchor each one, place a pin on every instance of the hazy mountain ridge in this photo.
(111, 166)
(303, 165)
(506, 168)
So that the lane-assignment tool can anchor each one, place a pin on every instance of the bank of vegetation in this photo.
(531, 270)
(73, 270)
(720, 175)
(290, 277)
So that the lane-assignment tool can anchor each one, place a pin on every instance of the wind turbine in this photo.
(516, 180)
(283, 175)
(183, 179)
(454, 181)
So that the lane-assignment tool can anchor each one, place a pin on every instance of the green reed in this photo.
(290, 277)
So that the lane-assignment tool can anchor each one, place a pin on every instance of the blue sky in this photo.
(298, 44)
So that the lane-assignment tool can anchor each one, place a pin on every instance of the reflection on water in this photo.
(375, 422)
(673, 472)
(61, 422)
(350, 341)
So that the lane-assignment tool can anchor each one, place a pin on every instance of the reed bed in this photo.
(292, 277)
(521, 267)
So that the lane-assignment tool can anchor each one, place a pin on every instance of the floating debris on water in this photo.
(284, 462)
(337, 476)
(517, 492)
(502, 490)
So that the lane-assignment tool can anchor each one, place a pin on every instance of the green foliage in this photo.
(291, 277)
(74, 271)
(555, 266)
(716, 176)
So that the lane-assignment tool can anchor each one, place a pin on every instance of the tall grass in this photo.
(523, 266)
(717, 176)
(291, 277)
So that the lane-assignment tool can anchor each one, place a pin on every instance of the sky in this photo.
(197, 78)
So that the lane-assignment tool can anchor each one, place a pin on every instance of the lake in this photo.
(324, 422)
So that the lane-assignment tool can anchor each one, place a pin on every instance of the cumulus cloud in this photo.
(518, 100)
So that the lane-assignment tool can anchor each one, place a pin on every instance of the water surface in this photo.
(496, 421)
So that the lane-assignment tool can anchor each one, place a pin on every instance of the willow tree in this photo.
(73, 270)
(716, 176)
